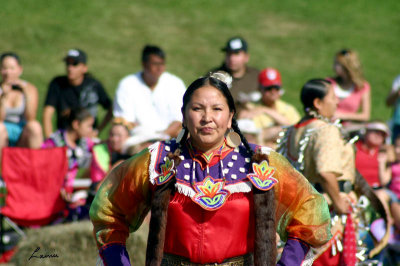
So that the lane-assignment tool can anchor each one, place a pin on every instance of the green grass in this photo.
(73, 244)
(297, 37)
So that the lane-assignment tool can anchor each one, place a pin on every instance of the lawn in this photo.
(297, 37)
(71, 244)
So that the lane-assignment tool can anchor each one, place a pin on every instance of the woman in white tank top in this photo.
(18, 106)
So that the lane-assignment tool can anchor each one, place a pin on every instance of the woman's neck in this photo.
(206, 150)
(345, 83)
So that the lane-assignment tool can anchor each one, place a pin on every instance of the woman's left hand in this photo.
(21, 84)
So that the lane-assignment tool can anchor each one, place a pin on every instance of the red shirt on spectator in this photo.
(367, 164)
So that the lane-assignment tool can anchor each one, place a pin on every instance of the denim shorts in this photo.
(14, 131)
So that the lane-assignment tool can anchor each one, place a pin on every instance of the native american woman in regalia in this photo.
(214, 198)
(316, 147)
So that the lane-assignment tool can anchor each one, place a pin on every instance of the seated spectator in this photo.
(18, 106)
(76, 137)
(150, 99)
(77, 89)
(109, 154)
(271, 114)
(352, 90)
(372, 154)
(372, 163)
(249, 130)
(393, 99)
(244, 85)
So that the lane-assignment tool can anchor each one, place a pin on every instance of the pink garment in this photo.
(395, 183)
(352, 103)
(80, 160)
(96, 172)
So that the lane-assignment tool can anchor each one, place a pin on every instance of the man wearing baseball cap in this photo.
(77, 89)
(244, 85)
(270, 114)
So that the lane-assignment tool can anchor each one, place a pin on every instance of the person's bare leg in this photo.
(3, 138)
(32, 135)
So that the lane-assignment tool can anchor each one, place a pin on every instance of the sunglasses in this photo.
(72, 63)
(269, 88)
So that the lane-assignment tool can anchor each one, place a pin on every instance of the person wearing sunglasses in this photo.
(271, 113)
(76, 89)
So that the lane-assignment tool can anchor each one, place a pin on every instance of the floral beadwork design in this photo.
(211, 194)
(167, 172)
(262, 178)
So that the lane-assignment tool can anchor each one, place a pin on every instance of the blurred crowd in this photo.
(146, 107)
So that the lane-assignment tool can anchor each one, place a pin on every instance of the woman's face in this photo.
(340, 70)
(374, 138)
(11, 70)
(117, 138)
(207, 117)
(327, 105)
(85, 127)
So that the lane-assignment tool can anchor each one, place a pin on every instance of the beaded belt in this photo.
(173, 260)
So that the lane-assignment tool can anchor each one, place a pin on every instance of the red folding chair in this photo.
(33, 179)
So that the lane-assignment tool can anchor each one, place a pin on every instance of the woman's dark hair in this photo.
(216, 83)
(314, 88)
(152, 49)
(10, 54)
(79, 114)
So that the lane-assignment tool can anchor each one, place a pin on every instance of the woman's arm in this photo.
(384, 171)
(302, 214)
(301, 211)
(363, 115)
(31, 99)
(3, 99)
(121, 204)
(330, 185)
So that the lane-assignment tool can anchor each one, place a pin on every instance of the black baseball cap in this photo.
(235, 44)
(76, 55)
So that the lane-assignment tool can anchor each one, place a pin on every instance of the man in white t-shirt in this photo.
(150, 100)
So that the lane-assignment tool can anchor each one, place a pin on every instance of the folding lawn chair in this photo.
(33, 179)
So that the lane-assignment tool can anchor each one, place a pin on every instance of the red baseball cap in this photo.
(270, 77)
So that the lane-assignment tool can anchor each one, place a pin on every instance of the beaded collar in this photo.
(212, 157)
(211, 186)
